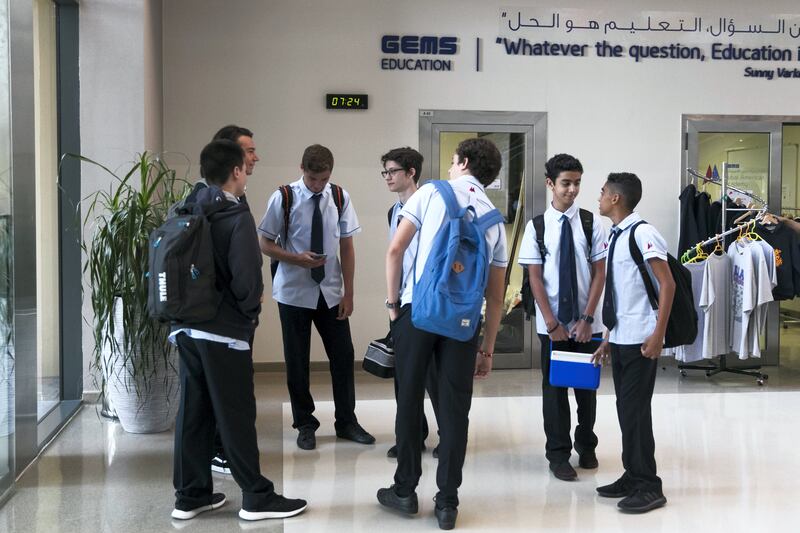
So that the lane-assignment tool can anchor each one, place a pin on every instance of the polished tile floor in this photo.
(725, 446)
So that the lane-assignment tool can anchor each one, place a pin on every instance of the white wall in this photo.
(120, 109)
(267, 65)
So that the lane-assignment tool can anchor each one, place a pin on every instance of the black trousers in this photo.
(432, 387)
(555, 407)
(219, 449)
(216, 385)
(454, 361)
(634, 380)
(296, 326)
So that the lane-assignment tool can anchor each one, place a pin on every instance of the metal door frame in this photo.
(534, 126)
(692, 125)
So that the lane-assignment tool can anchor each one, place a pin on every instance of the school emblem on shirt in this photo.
(458, 267)
(649, 245)
(472, 189)
(605, 245)
(778, 258)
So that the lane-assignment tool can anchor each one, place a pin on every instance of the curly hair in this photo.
(483, 158)
(561, 163)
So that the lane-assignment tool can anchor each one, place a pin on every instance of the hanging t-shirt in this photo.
(750, 288)
(757, 325)
(694, 352)
(715, 301)
(786, 250)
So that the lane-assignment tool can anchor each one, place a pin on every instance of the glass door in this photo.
(748, 151)
(517, 192)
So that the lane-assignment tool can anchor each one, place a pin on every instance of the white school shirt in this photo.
(408, 257)
(529, 254)
(233, 344)
(715, 301)
(293, 284)
(636, 319)
(427, 211)
(751, 287)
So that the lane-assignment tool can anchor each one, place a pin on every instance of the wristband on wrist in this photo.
(553, 328)
(485, 354)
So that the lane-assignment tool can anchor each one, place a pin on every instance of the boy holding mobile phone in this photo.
(312, 286)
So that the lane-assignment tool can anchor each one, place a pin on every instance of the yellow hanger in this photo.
(699, 255)
(718, 248)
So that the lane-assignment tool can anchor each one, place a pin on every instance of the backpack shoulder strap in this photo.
(587, 223)
(636, 254)
(389, 215)
(449, 197)
(538, 225)
(287, 198)
(338, 198)
(487, 220)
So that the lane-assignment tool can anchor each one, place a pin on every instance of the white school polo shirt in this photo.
(293, 284)
(529, 254)
(408, 257)
(636, 319)
(427, 211)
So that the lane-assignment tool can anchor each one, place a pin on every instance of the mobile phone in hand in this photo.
(320, 256)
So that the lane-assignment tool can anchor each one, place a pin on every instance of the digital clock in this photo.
(346, 101)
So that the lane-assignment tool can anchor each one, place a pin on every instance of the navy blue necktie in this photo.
(609, 309)
(568, 275)
(317, 273)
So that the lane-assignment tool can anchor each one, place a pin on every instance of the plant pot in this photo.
(144, 402)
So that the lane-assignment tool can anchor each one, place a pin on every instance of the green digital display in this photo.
(346, 101)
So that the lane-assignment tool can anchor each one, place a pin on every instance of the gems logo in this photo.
(418, 45)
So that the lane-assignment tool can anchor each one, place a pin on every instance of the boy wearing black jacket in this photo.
(216, 364)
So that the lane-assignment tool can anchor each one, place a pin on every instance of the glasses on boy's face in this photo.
(389, 172)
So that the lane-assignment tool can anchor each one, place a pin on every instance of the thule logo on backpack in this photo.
(162, 286)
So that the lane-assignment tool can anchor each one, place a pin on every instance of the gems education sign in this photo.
(403, 52)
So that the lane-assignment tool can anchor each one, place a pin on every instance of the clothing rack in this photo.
(712, 369)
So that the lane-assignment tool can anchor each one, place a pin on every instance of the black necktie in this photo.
(317, 273)
(568, 275)
(609, 309)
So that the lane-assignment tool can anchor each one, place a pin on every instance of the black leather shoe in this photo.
(389, 498)
(446, 516)
(306, 439)
(642, 501)
(355, 433)
(392, 452)
(563, 471)
(588, 461)
(619, 489)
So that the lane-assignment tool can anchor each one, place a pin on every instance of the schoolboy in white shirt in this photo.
(635, 339)
(312, 286)
(401, 172)
(566, 284)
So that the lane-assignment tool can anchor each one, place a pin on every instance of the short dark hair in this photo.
(561, 163)
(232, 132)
(627, 185)
(317, 158)
(218, 159)
(407, 158)
(483, 158)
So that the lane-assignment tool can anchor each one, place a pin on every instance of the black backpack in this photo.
(682, 324)
(182, 280)
(587, 223)
(287, 199)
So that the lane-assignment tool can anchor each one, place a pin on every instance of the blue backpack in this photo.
(448, 297)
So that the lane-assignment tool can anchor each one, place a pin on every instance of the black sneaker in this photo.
(564, 471)
(392, 452)
(306, 439)
(220, 465)
(276, 507)
(446, 516)
(619, 489)
(588, 461)
(389, 498)
(642, 501)
(184, 512)
(355, 433)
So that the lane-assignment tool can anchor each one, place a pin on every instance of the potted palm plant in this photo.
(133, 361)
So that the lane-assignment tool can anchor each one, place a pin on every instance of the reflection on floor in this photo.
(725, 449)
